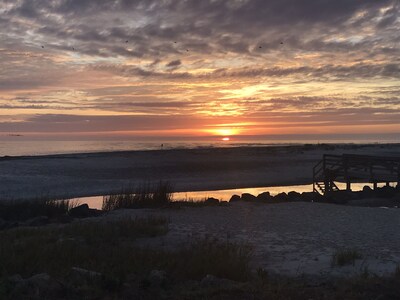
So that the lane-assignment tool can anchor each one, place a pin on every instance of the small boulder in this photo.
(83, 275)
(83, 211)
(294, 196)
(43, 283)
(3, 224)
(386, 192)
(213, 281)
(157, 277)
(281, 197)
(367, 189)
(265, 196)
(15, 279)
(211, 201)
(235, 198)
(311, 196)
(248, 197)
(7, 224)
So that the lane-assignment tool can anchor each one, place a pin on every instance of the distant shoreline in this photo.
(205, 148)
(14, 149)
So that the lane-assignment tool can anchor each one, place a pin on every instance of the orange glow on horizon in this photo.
(226, 139)
(225, 132)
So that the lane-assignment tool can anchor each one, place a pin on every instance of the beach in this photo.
(290, 239)
(247, 246)
(89, 174)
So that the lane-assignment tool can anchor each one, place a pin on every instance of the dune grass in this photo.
(27, 209)
(145, 196)
(104, 247)
(344, 257)
(111, 248)
(224, 259)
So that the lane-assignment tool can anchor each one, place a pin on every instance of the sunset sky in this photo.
(199, 67)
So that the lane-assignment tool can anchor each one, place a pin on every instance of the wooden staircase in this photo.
(325, 173)
(357, 168)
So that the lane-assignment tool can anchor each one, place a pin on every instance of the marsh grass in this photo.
(23, 210)
(344, 257)
(146, 196)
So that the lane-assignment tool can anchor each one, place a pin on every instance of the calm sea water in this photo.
(19, 146)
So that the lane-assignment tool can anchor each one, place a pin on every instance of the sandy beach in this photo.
(291, 239)
(79, 175)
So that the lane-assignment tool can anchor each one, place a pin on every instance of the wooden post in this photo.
(346, 174)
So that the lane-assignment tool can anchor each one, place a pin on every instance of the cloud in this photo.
(174, 64)
(197, 58)
(325, 72)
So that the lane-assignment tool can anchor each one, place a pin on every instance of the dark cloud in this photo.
(203, 26)
(326, 72)
(174, 64)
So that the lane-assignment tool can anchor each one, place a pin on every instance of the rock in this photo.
(83, 274)
(38, 221)
(294, 196)
(386, 192)
(235, 198)
(367, 189)
(282, 197)
(342, 197)
(83, 211)
(7, 224)
(3, 224)
(157, 277)
(43, 283)
(310, 196)
(248, 197)
(213, 281)
(15, 279)
(266, 196)
(211, 201)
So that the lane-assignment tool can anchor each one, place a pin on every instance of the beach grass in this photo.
(344, 257)
(145, 196)
(112, 249)
(100, 246)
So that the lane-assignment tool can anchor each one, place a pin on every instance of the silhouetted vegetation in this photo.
(345, 257)
(146, 196)
(93, 259)
(24, 210)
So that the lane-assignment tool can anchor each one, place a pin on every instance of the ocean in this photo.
(20, 146)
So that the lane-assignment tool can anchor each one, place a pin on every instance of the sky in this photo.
(77, 68)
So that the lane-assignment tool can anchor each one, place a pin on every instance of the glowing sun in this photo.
(226, 139)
